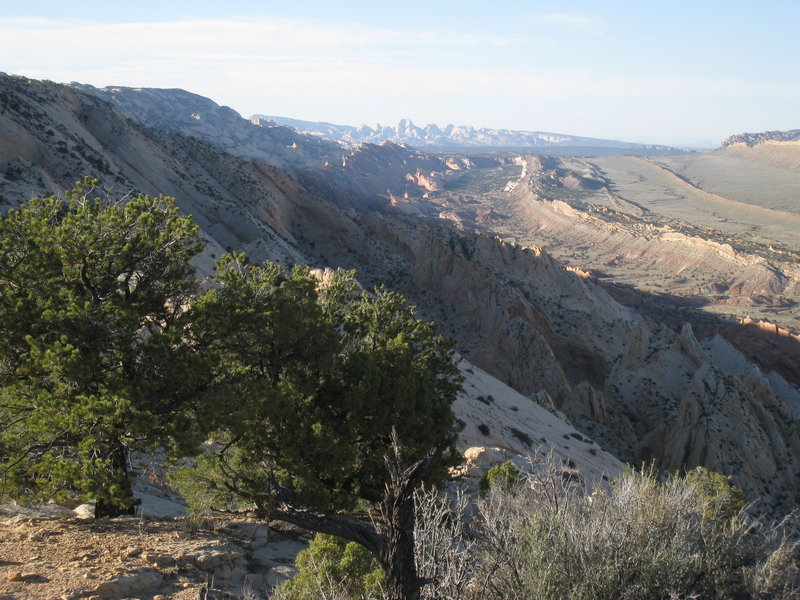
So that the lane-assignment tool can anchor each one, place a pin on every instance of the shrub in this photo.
(445, 553)
(334, 569)
(554, 538)
(640, 538)
(719, 498)
(505, 476)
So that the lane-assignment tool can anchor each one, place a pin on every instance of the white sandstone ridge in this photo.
(188, 113)
(61, 133)
(501, 424)
(450, 135)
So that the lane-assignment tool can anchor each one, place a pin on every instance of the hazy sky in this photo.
(646, 70)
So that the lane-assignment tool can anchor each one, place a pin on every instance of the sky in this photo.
(677, 72)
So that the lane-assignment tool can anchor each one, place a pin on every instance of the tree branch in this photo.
(348, 528)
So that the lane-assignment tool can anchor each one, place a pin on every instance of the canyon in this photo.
(615, 308)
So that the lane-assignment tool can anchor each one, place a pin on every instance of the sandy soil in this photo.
(49, 557)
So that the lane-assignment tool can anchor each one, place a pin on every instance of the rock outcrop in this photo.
(753, 139)
(774, 148)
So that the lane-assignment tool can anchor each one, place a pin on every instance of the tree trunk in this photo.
(393, 545)
(347, 528)
(390, 538)
(397, 558)
(397, 511)
(125, 504)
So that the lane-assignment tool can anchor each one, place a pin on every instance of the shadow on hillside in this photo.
(769, 348)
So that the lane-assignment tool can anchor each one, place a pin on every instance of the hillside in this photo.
(639, 388)
(240, 203)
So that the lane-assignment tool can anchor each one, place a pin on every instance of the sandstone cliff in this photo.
(774, 148)
(753, 139)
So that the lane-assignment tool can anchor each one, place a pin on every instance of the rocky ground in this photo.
(45, 556)
(51, 551)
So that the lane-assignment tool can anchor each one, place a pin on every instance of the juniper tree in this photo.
(334, 403)
(325, 401)
(91, 295)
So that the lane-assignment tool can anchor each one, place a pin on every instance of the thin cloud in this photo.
(150, 54)
(570, 20)
(349, 73)
(329, 59)
(264, 33)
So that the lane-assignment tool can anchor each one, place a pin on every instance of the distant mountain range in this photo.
(455, 136)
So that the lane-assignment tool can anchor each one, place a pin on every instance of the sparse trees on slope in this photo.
(330, 400)
(90, 300)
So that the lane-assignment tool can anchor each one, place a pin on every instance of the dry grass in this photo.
(641, 538)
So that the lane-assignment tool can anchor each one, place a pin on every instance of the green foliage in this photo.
(202, 486)
(104, 348)
(311, 381)
(90, 297)
(332, 567)
(719, 498)
(506, 476)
